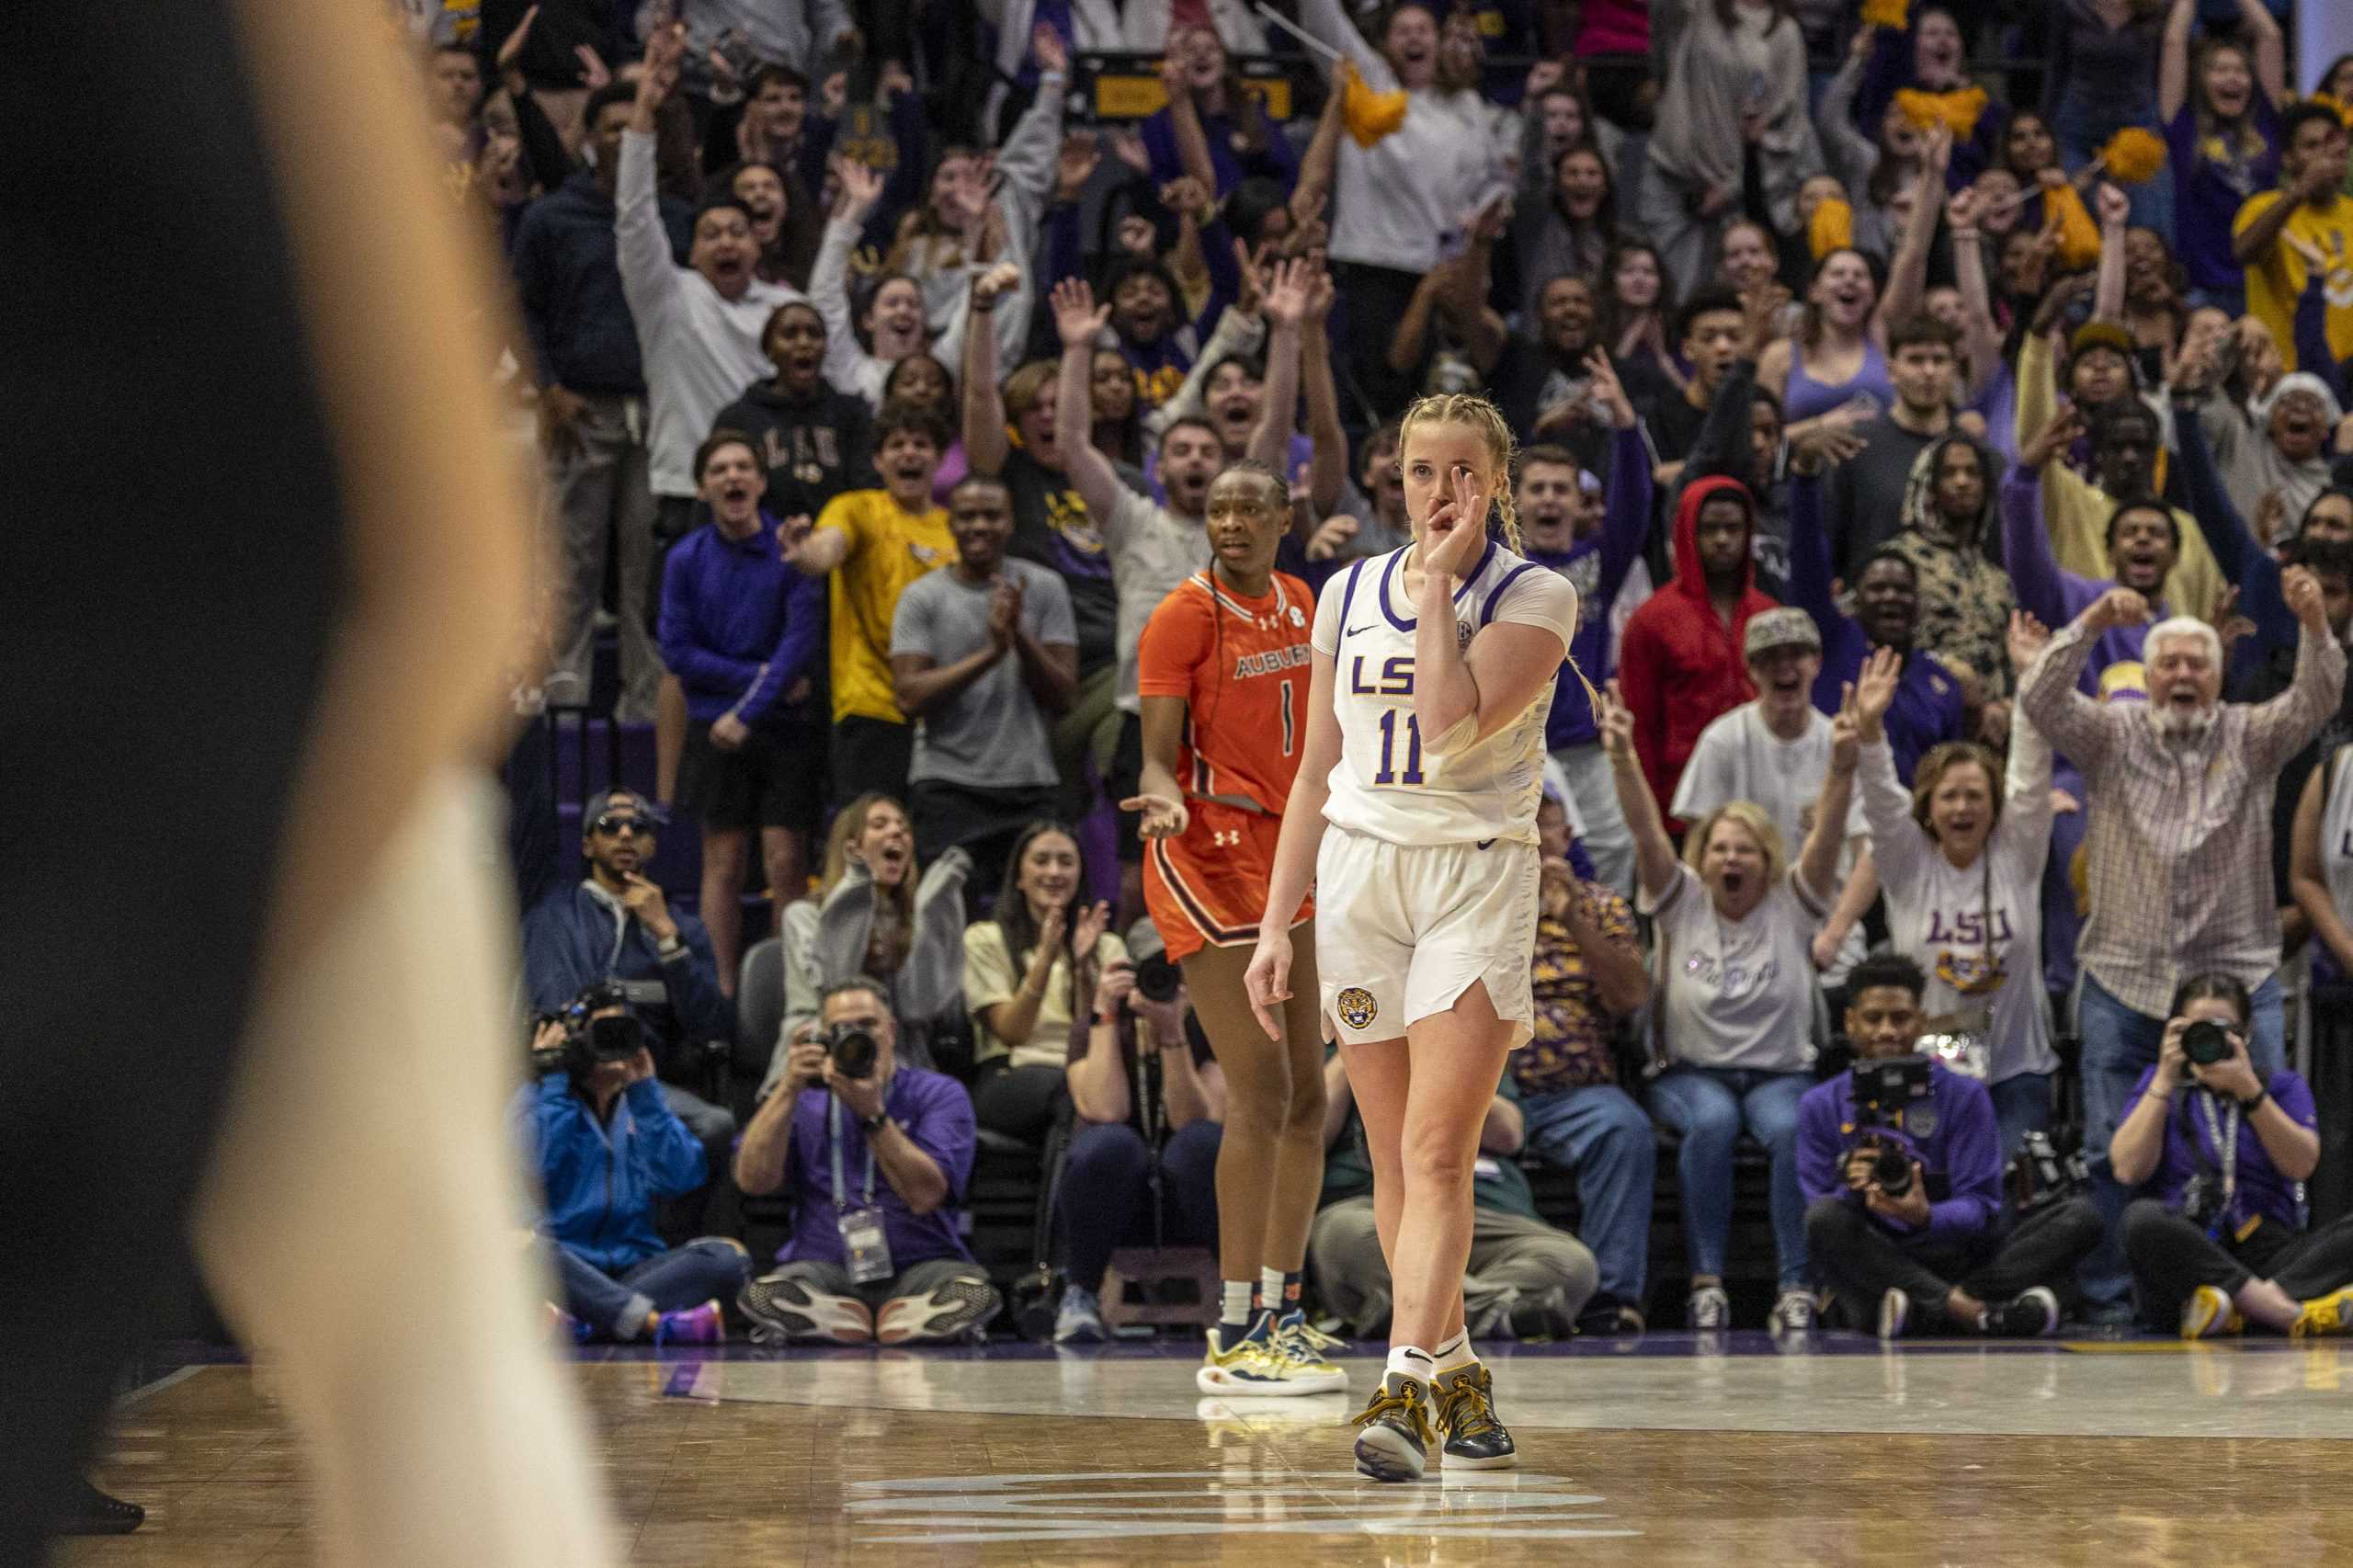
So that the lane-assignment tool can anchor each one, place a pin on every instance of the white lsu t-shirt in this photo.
(1385, 784)
(1737, 992)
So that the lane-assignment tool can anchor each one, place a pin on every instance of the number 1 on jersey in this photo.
(1388, 774)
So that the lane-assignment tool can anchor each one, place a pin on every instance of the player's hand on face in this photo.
(1267, 980)
(1465, 511)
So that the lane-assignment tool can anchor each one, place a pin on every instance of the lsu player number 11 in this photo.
(1415, 814)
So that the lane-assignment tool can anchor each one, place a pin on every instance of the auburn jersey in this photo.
(1241, 666)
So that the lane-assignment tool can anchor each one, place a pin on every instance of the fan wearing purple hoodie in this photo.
(1934, 1259)
(1597, 562)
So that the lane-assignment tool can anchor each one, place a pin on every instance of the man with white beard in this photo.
(2179, 844)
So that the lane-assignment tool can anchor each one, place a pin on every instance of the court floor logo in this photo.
(1098, 1504)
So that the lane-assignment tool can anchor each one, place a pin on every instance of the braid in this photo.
(1471, 409)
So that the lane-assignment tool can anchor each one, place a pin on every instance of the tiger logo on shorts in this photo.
(1357, 1008)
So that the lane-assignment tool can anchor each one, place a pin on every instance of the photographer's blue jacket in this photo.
(602, 1179)
(580, 935)
(1958, 1144)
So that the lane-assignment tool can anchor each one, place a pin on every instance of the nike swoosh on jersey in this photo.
(1360, 631)
(1487, 843)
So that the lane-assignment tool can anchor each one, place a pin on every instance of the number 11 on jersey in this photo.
(1388, 774)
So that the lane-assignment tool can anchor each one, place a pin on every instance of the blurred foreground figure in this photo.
(265, 572)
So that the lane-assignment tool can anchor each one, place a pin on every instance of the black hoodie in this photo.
(814, 448)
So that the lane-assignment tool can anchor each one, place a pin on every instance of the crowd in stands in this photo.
(1941, 410)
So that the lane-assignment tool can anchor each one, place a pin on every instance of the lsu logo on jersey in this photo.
(1356, 1006)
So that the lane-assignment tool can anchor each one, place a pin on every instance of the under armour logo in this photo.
(1223, 839)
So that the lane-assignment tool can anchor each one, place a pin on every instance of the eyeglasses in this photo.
(614, 825)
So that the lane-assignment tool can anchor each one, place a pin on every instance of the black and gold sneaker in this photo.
(1466, 1416)
(1394, 1444)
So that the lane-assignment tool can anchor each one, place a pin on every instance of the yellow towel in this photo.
(1887, 13)
(1370, 116)
(1831, 228)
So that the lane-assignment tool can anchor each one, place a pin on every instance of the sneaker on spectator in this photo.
(2209, 1312)
(1793, 1312)
(1894, 1313)
(705, 1324)
(1542, 1317)
(781, 1308)
(2329, 1315)
(2033, 1314)
(958, 1310)
(1709, 1309)
(1080, 1319)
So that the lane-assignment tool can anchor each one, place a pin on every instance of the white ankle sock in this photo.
(1234, 1304)
(1456, 1353)
(1271, 1291)
(1414, 1362)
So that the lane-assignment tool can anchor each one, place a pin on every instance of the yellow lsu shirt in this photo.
(888, 550)
(2275, 283)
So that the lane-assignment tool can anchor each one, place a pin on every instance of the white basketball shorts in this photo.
(1402, 930)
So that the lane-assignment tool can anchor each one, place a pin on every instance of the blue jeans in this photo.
(1599, 1134)
(1709, 1105)
(711, 1268)
(2120, 1044)
(2021, 1105)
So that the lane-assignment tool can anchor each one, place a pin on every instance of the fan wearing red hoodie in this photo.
(1681, 664)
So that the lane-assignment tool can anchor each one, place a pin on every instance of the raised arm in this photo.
(2115, 210)
(2242, 557)
(2173, 58)
(1654, 862)
(1286, 311)
(1185, 121)
(2307, 883)
(2257, 24)
(649, 275)
(1981, 334)
(1317, 165)
(985, 443)
(1626, 508)
(2285, 725)
(1077, 319)
(1027, 159)
(2034, 571)
(1907, 276)
(829, 276)
(2074, 722)
(1328, 467)
(1817, 866)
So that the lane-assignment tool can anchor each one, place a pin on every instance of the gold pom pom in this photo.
(1831, 228)
(2132, 156)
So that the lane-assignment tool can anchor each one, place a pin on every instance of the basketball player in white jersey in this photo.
(1414, 814)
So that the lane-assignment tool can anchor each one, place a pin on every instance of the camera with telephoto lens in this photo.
(588, 1039)
(1157, 980)
(2206, 1042)
(1886, 1095)
(2040, 1175)
(853, 1050)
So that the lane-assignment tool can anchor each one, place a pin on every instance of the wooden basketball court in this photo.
(1666, 1450)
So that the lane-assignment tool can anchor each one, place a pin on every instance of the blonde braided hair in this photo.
(1470, 410)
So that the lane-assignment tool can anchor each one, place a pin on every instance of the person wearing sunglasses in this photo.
(614, 924)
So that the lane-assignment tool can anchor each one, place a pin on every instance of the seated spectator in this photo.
(873, 543)
(606, 1149)
(743, 630)
(983, 656)
(872, 915)
(1680, 666)
(1044, 960)
(2169, 898)
(1151, 1118)
(1735, 1014)
(1931, 1253)
(867, 1259)
(1587, 977)
(1930, 706)
(2214, 1244)
(1775, 754)
(615, 925)
(1526, 1279)
(1961, 862)
(815, 440)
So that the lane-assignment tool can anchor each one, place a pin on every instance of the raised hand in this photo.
(1760, 317)
(1873, 692)
(663, 49)
(1332, 534)
(1824, 446)
(861, 188)
(1320, 294)
(1935, 152)
(890, 81)
(2027, 639)
(2053, 439)
(1128, 147)
(995, 283)
(2061, 294)
(1252, 266)
(1077, 318)
(793, 538)
(1617, 725)
(1285, 301)
(1184, 197)
(1046, 47)
(1961, 210)
(2113, 207)
(1607, 391)
(2122, 607)
(1076, 164)
(1543, 78)
(1161, 817)
(511, 52)
(1846, 728)
(2301, 590)
(594, 72)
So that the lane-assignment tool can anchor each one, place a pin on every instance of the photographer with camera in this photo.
(875, 1153)
(615, 925)
(2214, 1244)
(607, 1146)
(1142, 1168)
(1901, 1159)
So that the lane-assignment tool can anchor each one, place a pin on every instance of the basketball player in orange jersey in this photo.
(1221, 670)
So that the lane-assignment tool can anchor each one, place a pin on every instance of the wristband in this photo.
(873, 1124)
(671, 945)
(2249, 1106)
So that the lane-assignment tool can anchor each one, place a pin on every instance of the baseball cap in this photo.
(1782, 628)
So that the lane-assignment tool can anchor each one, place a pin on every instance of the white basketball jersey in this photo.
(1386, 784)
